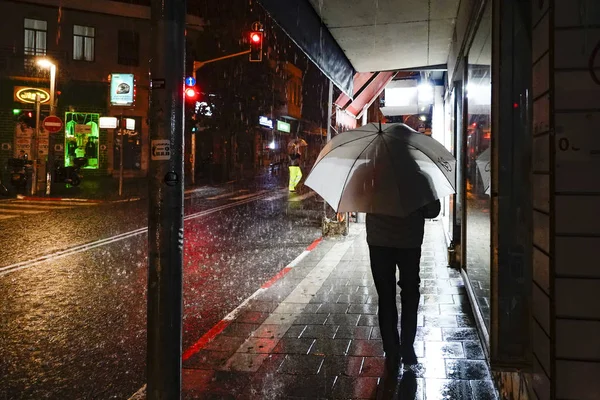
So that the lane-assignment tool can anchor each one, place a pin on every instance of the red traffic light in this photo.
(255, 37)
(190, 93)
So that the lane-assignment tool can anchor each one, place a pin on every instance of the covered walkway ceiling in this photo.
(343, 37)
(380, 35)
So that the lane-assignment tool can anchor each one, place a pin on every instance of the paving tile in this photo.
(341, 365)
(466, 321)
(428, 333)
(251, 317)
(246, 362)
(293, 346)
(217, 384)
(438, 299)
(271, 364)
(335, 308)
(295, 331)
(332, 347)
(353, 332)
(450, 290)
(319, 331)
(373, 366)
(406, 386)
(311, 308)
(456, 334)
(258, 345)
(343, 319)
(456, 309)
(309, 387)
(261, 306)
(271, 331)
(467, 369)
(355, 388)
(484, 390)
(367, 348)
(447, 389)
(240, 329)
(473, 350)
(444, 350)
(301, 364)
(353, 298)
(368, 320)
(207, 359)
(281, 319)
(310, 319)
(289, 308)
(441, 321)
(375, 333)
(225, 343)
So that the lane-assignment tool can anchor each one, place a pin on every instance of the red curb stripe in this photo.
(203, 341)
(314, 244)
(278, 276)
(221, 325)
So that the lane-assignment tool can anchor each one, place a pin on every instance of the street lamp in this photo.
(46, 63)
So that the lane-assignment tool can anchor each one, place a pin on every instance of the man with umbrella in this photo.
(397, 177)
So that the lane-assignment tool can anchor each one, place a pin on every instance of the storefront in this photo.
(82, 140)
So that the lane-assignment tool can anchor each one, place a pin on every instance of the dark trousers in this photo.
(384, 261)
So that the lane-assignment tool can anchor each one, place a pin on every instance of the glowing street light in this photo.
(47, 64)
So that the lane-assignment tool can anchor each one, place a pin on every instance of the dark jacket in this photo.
(400, 232)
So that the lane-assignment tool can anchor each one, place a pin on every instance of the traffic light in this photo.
(256, 43)
(25, 117)
(191, 94)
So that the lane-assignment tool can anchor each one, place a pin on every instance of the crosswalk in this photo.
(17, 208)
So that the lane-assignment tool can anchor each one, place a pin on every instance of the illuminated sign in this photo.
(283, 126)
(130, 124)
(27, 94)
(108, 122)
(264, 121)
(122, 89)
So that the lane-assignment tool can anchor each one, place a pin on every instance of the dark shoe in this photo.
(392, 364)
(409, 357)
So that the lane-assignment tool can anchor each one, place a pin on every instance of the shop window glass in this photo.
(83, 43)
(477, 173)
(82, 136)
(35, 37)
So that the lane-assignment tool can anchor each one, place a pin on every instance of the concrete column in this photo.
(566, 187)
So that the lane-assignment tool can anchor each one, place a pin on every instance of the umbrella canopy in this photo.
(296, 144)
(483, 166)
(392, 171)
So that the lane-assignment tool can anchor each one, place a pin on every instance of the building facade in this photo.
(101, 51)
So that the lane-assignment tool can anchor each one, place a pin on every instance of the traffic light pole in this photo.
(200, 64)
(165, 216)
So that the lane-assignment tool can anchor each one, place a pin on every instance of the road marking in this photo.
(224, 195)
(102, 242)
(303, 197)
(16, 208)
(248, 195)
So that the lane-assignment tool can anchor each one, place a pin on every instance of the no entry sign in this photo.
(52, 124)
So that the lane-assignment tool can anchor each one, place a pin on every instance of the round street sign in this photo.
(52, 124)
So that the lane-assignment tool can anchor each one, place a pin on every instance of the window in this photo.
(83, 43)
(35, 37)
(129, 48)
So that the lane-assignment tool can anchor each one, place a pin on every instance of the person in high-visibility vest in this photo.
(295, 171)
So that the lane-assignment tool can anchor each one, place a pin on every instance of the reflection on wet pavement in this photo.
(327, 345)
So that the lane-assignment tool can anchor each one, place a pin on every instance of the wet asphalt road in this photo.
(74, 327)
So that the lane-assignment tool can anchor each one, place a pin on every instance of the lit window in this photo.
(83, 43)
(35, 37)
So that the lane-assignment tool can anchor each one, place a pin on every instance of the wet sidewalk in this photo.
(313, 334)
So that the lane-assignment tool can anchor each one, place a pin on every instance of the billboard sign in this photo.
(122, 89)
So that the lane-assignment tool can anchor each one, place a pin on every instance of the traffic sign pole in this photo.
(52, 124)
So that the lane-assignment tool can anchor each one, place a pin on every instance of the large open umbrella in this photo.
(387, 169)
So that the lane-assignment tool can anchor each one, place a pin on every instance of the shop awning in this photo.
(367, 87)
(303, 25)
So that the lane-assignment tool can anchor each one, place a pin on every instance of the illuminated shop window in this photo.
(82, 135)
